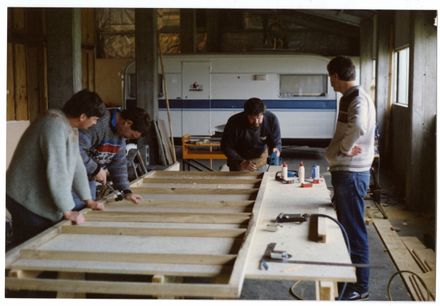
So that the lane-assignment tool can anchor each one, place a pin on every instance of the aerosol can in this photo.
(284, 171)
(301, 173)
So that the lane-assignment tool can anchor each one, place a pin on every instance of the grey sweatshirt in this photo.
(355, 126)
(46, 166)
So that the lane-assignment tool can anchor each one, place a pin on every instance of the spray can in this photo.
(274, 159)
(315, 172)
(301, 173)
(284, 171)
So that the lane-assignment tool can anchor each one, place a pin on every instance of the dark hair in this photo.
(343, 67)
(139, 117)
(254, 107)
(84, 102)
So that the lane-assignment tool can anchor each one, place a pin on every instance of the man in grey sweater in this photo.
(350, 155)
(47, 165)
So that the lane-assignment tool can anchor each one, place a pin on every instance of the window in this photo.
(401, 76)
(303, 85)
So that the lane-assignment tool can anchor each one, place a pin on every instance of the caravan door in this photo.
(196, 98)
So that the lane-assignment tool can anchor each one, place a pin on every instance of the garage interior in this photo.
(55, 52)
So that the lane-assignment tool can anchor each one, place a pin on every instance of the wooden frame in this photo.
(184, 229)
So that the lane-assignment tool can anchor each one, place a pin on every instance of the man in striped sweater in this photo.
(350, 155)
(102, 149)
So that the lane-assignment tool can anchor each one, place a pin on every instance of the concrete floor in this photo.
(379, 258)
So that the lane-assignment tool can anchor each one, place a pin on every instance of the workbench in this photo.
(293, 238)
(195, 234)
(205, 149)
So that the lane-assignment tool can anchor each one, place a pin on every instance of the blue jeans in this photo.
(350, 188)
(25, 223)
(80, 204)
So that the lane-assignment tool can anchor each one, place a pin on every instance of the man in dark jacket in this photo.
(249, 136)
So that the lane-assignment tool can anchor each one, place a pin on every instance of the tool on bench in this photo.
(291, 174)
(271, 254)
(296, 218)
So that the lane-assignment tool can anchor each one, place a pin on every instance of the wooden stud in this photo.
(182, 203)
(19, 273)
(124, 288)
(197, 259)
(238, 273)
(325, 290)
(398, 252)
(228, 181)
(205, 174)
(317, 229)
(67, 294)
(194, 191)
(10, 94)
(136, 231)
(209, 218)
(21, 96)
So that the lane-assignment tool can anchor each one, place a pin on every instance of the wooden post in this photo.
(63, 54)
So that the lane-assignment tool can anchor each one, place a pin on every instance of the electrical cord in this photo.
(410, 272)
(344, 232)
(292, 291)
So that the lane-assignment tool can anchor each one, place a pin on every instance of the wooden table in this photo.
(293, 238)
(192, 152)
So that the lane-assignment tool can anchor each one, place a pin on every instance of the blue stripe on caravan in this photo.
(238, 104)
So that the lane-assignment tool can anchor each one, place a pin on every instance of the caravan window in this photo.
(303, 85)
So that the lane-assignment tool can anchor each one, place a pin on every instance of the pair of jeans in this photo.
(25, 223)
(350, 188)
(80, 204)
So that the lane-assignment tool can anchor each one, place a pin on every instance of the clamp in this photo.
(272, 255)
(296, 218)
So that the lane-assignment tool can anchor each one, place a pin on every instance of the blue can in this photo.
(315, 172)
(274, 159)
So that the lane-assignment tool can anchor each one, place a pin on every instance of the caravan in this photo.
(205, 90)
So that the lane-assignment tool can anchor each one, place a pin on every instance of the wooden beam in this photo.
(172, 190)
(22, 273)
(67, 294)
(21, 93)
(325, 290)
(198, 259)
(196, 174)
(154, 180)
(10, 93)
(179, 203)
(124, 288)
(137, 231)
(120, 268)
(209, 218)
(398, 252)
(238, 273)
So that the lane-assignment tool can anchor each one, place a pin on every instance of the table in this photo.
(200, 150)
(293, 238)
